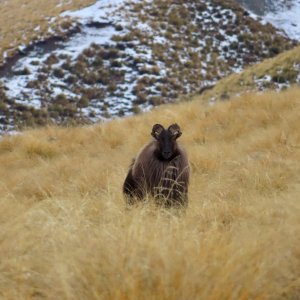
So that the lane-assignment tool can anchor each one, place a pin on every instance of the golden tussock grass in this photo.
(25, 16)
(65, 232)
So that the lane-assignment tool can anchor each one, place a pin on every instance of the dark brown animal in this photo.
(160, 170)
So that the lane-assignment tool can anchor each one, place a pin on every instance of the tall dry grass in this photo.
(65, 232)
(29, 20)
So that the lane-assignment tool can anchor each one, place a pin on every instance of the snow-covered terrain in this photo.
(287, 19)
(97, 26)
(284, 15)
(125, 57)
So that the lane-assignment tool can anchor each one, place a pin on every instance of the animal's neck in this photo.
(175, 156)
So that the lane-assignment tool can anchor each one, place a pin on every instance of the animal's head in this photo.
(166, 139)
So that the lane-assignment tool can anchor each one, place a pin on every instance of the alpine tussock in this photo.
(65, 233)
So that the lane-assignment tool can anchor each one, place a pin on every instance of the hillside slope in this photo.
(124, 59)
(65, 233)
(276, 73)
(31, 20)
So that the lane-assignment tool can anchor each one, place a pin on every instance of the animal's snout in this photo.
(167, 154)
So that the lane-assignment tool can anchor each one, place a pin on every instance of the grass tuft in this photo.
(66, 233)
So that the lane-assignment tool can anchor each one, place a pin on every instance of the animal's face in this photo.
(166, 139)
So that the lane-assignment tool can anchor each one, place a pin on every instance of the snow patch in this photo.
(286, 18)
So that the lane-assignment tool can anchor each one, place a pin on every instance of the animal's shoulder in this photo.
(145, 159)
(147, 151)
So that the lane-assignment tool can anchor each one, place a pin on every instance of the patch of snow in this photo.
(7, 131)
(102, 12)
(297, 68)
(160, 40)
(286, 18)
(84, 39)
(22, 47)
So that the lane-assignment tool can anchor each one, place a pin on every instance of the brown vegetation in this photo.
(274, 73)
(66, 235)
(192, 45)
(29, 20)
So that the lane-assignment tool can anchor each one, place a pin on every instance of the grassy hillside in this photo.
(29, 20)
(65, 233)
(278, 73)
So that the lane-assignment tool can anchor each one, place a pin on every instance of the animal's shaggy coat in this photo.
(154, 173)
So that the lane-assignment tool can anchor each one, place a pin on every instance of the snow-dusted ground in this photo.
(102, 12)
(147, 68)
(286, 18)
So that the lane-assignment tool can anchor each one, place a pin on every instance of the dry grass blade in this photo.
(66, 234)
(29, 20)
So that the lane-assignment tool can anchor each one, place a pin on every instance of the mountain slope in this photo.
(280, 13)
(144, 54)
(30, 21)
(65, 233)
(272, 74)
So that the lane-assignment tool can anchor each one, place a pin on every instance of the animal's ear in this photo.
(175, 131)
(157, 130)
